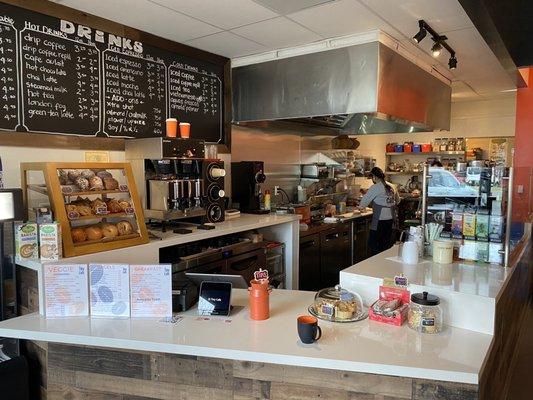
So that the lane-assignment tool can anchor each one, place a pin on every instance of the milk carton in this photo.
(26, 241)
(50, 241)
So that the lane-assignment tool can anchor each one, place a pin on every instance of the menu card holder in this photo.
(65, 290)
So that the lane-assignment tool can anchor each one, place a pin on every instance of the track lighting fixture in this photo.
(436, 49)
(452, 62)
(440, 42)
(421, 33)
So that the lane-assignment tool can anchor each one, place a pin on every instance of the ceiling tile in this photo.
(340, 18)
(286, 7)
(146, 16)
(227, 44)
(226, 14)
(277, 33)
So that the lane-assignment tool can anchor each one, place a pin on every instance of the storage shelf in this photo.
(430, 153)
(402, 173)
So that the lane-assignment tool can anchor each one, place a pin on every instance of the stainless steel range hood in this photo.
(362, 89)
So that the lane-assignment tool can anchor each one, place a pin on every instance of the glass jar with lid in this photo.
(443, 144)
(338, 305)
(425, 313)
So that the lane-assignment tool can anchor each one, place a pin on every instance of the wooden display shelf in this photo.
(102, 216)
(95, 192)
(107, 240)
(53, 189)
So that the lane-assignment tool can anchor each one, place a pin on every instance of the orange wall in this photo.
(523, 158)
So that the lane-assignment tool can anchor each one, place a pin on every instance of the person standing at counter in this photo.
(383, 199)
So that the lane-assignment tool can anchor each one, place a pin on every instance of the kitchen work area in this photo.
(254, 199)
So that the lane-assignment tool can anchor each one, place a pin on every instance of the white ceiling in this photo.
(237, 28)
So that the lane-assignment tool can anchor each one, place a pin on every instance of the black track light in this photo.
(452, 62)
(436, 49)
(440, 42)
(421, 33)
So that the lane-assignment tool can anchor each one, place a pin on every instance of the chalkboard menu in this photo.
(60, 77)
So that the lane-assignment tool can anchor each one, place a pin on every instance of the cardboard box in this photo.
(50, 245)
(469, 225)
(26, 241)
(391, 293)
(496, 226)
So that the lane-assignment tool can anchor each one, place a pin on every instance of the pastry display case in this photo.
(96, 204)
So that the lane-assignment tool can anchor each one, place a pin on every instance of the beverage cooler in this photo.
(472, 210)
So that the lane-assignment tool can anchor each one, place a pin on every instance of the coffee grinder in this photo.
(246, 180)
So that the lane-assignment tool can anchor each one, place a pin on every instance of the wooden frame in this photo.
(54, 192)
(60, 11)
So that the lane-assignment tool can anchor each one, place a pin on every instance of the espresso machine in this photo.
(175, 181)
(246, 180)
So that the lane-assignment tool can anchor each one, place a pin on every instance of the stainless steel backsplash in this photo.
(282, 151)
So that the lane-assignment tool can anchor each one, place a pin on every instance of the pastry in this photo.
(124, 204)
(84, 210)
(109, 230)
(87, 173)
(103, 174)
(93, 233)
(124, 228)
(82, 201)
(110, 183)
(82, 183)
(73, 174)
(114, 207)
(98, 205)
(78, 235)
(63, 177)
(96, 183)
(71, 208)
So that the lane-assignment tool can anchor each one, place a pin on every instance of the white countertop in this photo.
(468, 278)
(149, 253)
(454, 355)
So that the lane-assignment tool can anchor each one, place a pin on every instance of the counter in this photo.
(468, 291)
(283, 228)
(455, 355)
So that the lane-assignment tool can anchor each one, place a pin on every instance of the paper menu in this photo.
(65, 290)
(151, 290)
(109, 290)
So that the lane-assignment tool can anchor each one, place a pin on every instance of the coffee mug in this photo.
(308, 329)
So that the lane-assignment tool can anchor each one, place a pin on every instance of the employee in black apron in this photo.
(383, 199)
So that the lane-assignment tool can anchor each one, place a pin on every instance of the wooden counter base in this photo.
(79, 372)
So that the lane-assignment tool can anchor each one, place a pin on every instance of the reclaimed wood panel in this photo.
(196, 371)
(104, 361)
(38, 371)
(350, 381)
(510, 312)
(435, 390)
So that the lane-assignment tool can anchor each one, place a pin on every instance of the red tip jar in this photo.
(259, 299)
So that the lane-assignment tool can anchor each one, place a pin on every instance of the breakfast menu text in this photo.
(60, 77)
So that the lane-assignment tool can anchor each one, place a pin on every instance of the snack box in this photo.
(457, 225)
(26, 241)
(496, 224)
(392, 293)
(50, 245)
(469, 225)
(482, 227)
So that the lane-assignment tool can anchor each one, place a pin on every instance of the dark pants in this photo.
(380, 239)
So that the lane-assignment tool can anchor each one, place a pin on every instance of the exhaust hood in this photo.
(361, 89)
